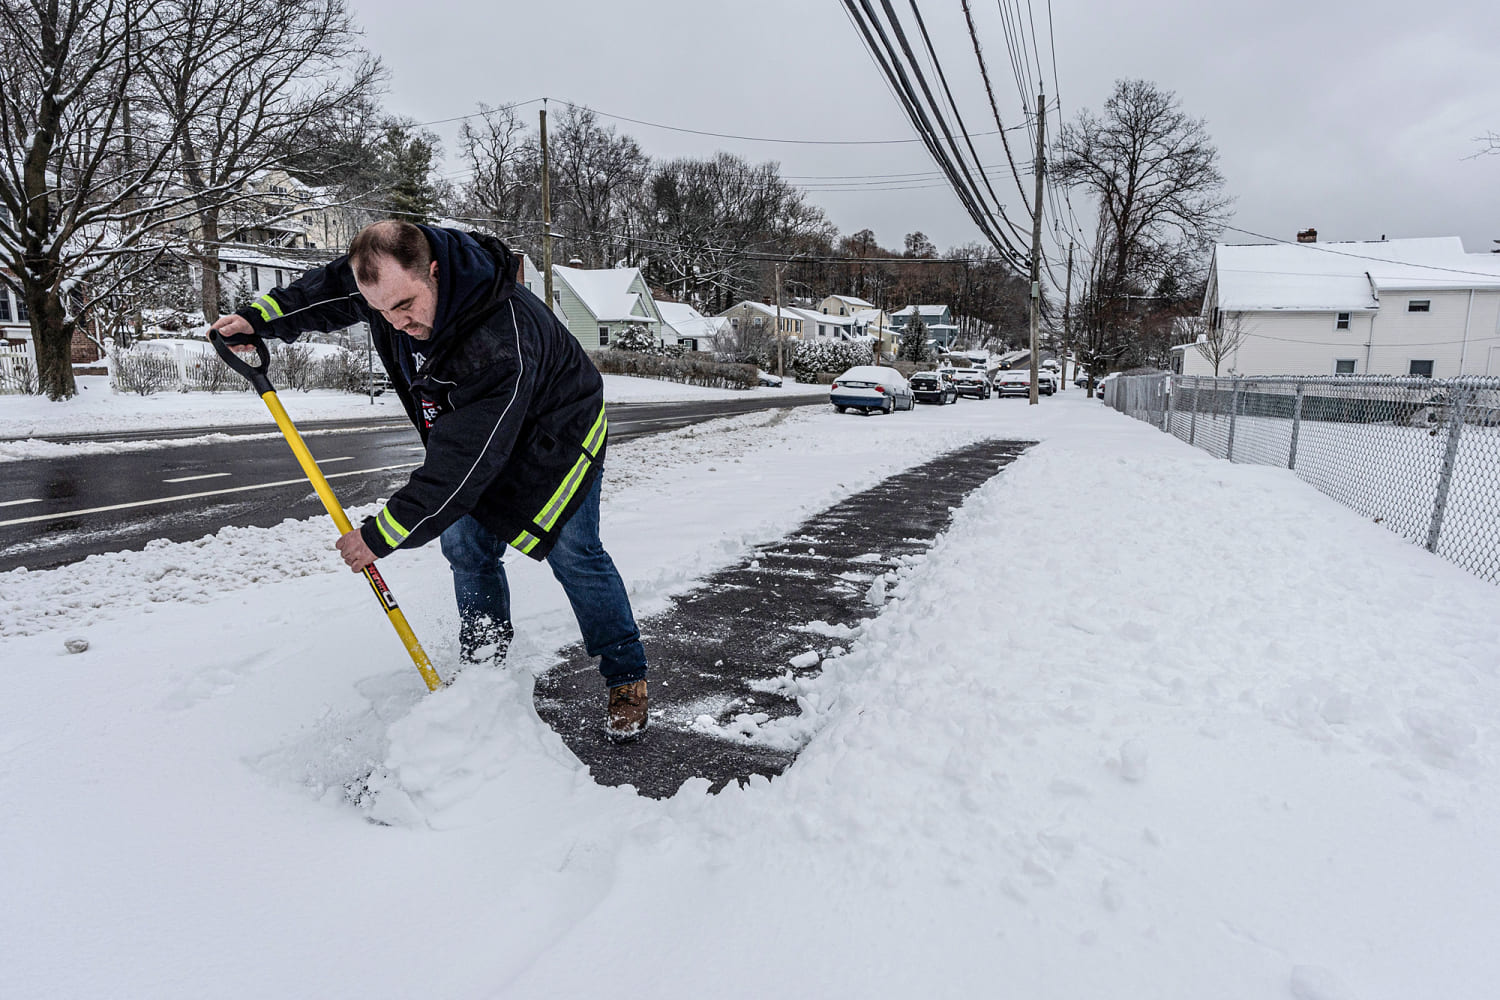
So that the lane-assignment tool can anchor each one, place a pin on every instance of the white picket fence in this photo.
(17, 368)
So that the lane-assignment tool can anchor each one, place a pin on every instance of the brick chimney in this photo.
(1307, 236)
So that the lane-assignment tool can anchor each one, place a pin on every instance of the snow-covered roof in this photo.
(687, 321)
(245, 255)
(853, 301)
(1321, 277)
(925, 310)
(606, 292)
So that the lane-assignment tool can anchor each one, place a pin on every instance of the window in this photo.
(4, 306)
(1423, 368)
(22, 315)
(278, 278)
(1343, 366)
(255, 279)
(231, 268)
(604, 336)
(1418, 305)
(1342, 323)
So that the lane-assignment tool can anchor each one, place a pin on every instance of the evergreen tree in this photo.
(914, 340)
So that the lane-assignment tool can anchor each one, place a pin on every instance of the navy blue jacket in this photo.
(509, 406)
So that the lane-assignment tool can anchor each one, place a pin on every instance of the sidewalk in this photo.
(1140, 723)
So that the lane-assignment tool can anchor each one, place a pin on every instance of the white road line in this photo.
(16, 503)
(194, 496)
(189, 479)
(344, 458)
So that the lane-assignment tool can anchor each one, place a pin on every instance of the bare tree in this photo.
(505, 158)
(1154, 174)
(83, 184)
(1216, 341)
(596, 170)
(245, 83)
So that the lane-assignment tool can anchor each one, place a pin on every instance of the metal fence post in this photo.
(1166, 420)
(1450, 457)
(1234, 409)
(1193, 420)
(1291, 458)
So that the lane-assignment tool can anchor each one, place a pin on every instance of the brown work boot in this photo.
(627, 711)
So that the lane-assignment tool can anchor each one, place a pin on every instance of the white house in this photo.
(1387, 307)
(600, 304)
(843, 305)
(689, 327)
(248, 272)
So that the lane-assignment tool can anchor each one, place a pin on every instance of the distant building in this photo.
(599, 305)
(843, 305)
(941, 330)
(1387, 307)
(689, 328)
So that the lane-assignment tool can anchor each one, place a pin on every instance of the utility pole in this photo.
(780, 372)
(1067, 321)
(1036, 242)
(546, 209)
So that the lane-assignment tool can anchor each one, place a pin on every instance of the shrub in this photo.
(293, 366)
(144, 372)
(828, 356)
(635, 338)
(689, 370)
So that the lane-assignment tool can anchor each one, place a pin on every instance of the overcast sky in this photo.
(1358, 118)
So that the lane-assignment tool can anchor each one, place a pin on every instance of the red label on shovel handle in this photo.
(377, 584)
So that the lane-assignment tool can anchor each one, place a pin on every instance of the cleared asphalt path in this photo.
(58, 510)
(714, 651)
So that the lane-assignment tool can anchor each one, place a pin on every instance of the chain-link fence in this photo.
(1420, 456)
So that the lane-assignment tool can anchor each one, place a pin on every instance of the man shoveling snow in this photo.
(511, 411)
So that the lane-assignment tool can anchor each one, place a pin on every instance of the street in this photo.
(56, 511)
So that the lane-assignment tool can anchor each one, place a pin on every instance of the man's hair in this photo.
(401, 242)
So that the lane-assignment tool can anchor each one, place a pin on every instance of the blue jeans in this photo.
(578, 561)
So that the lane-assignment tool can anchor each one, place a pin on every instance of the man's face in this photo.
(407, 299)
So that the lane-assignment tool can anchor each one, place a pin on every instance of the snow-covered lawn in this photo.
(1145, 724)
(99, 409)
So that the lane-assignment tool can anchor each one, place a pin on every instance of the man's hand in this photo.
(231, 325)
(355, 552)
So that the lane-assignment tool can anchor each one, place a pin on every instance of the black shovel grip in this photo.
(257, 374)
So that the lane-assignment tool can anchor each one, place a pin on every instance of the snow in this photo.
(1344, 277)
(1088, 748)
(98, 409)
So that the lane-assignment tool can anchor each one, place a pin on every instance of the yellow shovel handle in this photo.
(336, 511)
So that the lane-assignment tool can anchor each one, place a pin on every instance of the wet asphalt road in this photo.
(740, 628)
(59, 510)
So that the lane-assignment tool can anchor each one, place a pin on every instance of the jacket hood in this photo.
(473, 273)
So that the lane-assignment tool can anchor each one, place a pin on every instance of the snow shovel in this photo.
(262, 384)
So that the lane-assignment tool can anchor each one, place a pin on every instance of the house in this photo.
(941, 329)
(843, 305)
(249, 271)
(1386, 307)
(690, 328)
(751, 316)
(598, 305)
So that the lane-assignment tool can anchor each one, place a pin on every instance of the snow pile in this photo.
(1141, 724)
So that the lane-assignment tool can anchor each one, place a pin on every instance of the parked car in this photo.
(767, 379)
(1082, 381)
(933, 387)
(871, 389)
(1015, 382)
(1106, 380)
(1046, 382)
(372, 383)
(971, 382)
